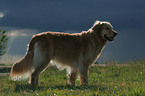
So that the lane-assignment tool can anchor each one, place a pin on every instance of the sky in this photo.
(24, 18)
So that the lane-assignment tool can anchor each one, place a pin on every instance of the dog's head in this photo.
(105, 30)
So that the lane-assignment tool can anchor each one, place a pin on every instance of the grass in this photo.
(112, 80)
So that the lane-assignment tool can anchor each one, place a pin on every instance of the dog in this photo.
(77, 51)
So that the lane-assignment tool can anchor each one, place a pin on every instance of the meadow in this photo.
(112, 79)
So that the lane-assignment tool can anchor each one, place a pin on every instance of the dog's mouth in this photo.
(109, 38)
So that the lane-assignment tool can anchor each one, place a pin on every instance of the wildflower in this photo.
(123, 84)
(55, 95)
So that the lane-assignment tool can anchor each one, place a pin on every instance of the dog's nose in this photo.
(115, 33)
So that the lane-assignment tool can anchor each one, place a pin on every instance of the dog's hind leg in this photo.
(72, 76)
(34, 79)
(41, 60)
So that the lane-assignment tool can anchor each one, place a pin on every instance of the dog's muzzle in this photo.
(111, 38)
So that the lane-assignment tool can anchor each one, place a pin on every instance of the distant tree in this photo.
(3, 41)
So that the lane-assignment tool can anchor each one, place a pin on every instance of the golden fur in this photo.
(77, 51)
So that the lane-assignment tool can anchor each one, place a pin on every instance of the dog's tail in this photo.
(23, 68)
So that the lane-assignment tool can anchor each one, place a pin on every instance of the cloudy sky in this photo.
(23, 18)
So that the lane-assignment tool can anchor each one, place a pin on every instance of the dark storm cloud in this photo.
(67, 15)
(33, 16)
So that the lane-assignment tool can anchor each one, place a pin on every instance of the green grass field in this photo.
(112, 80)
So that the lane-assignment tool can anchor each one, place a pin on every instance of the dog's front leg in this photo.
(72, 77)
(83, 75)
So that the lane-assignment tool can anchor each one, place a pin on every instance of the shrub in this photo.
(3, 41)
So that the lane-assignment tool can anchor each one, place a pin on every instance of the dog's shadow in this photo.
(29, 88)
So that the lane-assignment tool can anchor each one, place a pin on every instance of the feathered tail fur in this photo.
(23, 68)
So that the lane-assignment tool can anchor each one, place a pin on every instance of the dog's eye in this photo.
(107, 28)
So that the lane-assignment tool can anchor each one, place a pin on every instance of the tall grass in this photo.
(110, 80)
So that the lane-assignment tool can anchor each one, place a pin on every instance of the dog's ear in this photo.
(96, 26)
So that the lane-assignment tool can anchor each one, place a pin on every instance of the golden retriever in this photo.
(77, 51)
